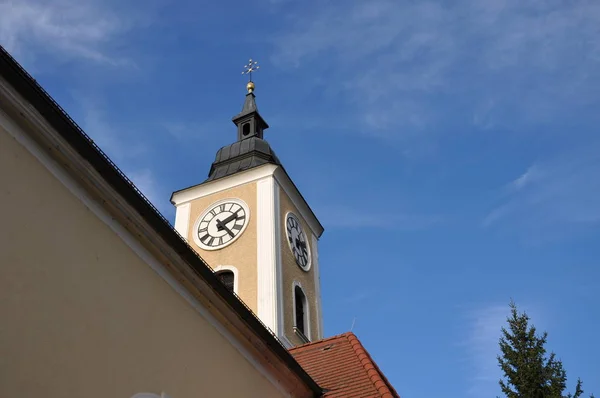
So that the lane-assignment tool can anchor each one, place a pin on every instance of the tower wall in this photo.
(240, 254)
(292, 274)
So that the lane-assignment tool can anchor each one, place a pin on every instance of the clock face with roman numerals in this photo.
(297, 241)
(221, 224)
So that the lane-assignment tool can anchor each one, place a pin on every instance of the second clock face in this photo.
(221, 224)
(298, 242)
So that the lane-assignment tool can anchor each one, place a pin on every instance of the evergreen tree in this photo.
(528, 371)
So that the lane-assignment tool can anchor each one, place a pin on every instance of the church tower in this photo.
(253, 227)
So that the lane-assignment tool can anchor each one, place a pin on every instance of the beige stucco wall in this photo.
(241, 253)
(292, 272)
(81, 315)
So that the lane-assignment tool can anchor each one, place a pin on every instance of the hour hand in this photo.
(221, 226)
(227, 220)
(300, 244)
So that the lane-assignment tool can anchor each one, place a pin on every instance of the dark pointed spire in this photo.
(249, 122)
(250, 150)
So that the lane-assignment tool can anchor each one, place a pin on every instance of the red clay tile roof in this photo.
(343, 368)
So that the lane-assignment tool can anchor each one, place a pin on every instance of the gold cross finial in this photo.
(248, 69)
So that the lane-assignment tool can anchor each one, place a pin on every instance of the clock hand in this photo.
(301, 247)
(227, 220)
(221, 226)
(229, 231)
(300, 244)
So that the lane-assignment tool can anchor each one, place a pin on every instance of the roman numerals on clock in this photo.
(221, 224)
(297, 241)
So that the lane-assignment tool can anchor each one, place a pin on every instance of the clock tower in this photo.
(250, 223)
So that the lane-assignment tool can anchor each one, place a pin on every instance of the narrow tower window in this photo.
(246, 129)
(301, 310)
(227, 278)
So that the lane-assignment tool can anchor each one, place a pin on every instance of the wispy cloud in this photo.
(526, 179)
(553, 196)
(84, 30)
(80, 29)
(482, 348)
(531, 60)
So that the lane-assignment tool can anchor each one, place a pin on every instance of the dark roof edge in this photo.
(66, 127)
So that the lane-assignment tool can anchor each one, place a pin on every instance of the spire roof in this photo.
(249, 110)
(250, 150)
(240, 156)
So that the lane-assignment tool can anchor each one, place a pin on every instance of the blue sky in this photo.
(450, 149)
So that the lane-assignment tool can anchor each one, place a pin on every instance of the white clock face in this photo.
(297, 241)
(221, 224)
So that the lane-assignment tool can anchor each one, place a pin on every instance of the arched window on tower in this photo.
(301, 313)
(227, 277)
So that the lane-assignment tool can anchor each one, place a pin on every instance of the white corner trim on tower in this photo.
(182, 219)
(266, 253)
(280, 332)
(318, 306)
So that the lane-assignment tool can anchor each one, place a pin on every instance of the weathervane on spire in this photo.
(248, 69)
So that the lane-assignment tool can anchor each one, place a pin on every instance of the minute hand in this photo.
(226, 221)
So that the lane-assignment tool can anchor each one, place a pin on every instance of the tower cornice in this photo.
(243, 177)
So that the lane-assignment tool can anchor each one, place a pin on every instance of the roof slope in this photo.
(242, 155)
(343, 367)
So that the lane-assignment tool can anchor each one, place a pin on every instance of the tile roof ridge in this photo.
(378, 379)
(337, 336)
